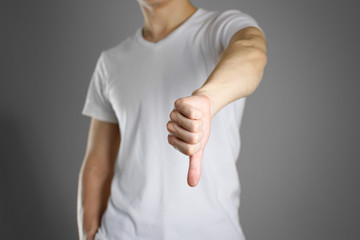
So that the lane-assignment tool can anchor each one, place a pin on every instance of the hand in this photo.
(189, 128)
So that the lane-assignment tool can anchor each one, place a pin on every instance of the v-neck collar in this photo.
(175, 32)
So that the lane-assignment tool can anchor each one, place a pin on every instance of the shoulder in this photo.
(220, 15)
(119, 50)
(218, 21)
(116, 54)
(231, 15)
(216, 14)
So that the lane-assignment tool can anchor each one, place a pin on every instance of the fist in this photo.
(189, 129)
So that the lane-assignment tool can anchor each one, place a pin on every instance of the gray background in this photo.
(299, 166)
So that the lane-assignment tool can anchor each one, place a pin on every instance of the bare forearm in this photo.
(93, 194)
(236, 75)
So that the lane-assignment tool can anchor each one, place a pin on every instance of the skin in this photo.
(237, 74)
(95, 176)
(161, 17)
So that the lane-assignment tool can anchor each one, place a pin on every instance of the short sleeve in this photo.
(97, 103)
(227, 23)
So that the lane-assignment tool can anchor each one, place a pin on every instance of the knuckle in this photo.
(180, 121)
(196, 148)
(169, 126)
(188, 150)
(172, 115)
(178, 102)
(191, 113)
(195, 127)
(194, 138)
(192, 150)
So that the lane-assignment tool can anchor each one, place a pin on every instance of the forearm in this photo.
(93, 194)
(237, 74)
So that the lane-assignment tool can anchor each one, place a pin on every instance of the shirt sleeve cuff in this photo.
(98, 113)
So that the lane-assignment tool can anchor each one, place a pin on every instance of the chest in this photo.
(161, 75)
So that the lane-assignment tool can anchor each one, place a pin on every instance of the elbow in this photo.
(259, 56)
(259, 61)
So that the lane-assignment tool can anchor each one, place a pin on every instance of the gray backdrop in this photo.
(299, 160)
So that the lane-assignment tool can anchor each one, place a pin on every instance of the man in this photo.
(186, 71)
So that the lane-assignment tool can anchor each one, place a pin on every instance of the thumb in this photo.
(195, 168)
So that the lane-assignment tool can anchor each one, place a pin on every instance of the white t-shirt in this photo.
(135, 84)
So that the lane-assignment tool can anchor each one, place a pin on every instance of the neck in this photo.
(160, 19)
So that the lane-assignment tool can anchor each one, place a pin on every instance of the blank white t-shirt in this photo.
(135, 84)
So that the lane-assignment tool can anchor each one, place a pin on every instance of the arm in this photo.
(95, 176)
(239, 69)
(237, 74)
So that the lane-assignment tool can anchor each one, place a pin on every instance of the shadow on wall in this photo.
(23, 214)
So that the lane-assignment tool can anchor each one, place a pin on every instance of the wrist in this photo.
(203, 92)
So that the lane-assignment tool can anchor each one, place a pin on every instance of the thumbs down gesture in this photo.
(189, 129)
